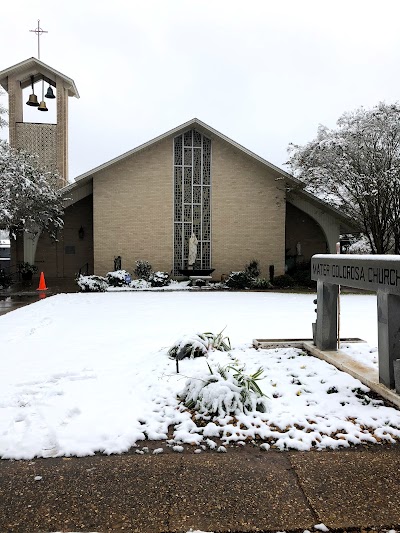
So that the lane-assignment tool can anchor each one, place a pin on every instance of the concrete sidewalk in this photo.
(241, 491)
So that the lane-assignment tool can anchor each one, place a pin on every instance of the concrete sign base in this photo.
(380, 273)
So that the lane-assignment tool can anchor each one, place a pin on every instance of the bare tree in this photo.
(356, 168)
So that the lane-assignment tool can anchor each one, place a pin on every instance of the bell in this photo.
(49, 93)
(32, 100)
(42, 106)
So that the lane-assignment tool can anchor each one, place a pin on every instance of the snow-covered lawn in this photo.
(89, 372)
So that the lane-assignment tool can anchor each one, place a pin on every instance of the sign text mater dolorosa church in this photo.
(378, 272)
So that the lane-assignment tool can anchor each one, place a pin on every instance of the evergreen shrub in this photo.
(143, 270)
(92, 283)
(159, 279)
(118, 278)
(239, 280)
(253, 269)
(283, 282)
(262, 284)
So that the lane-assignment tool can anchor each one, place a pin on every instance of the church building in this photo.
(146, 203)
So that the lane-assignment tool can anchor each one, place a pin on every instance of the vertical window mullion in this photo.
(183, 203)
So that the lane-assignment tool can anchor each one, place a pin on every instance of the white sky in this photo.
(263, 73)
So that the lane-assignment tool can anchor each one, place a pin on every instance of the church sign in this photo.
(377, 273)
(369, 272)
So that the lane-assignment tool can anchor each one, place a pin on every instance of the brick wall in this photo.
(133, 211)
(39, 139)
(248, 212)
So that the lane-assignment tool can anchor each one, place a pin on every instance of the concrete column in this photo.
(15, 113)
(326, 330)
(388, 336)
(30, 245)
(62, 130)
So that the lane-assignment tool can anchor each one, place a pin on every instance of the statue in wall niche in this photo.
(117, 263)
(193, 242)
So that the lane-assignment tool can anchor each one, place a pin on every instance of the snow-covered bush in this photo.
(198, 345)
(262, 284)
(159, 279)
(253, 269)
(239, 280)
(140, 284)
(143, 270)
(92, 283)
(118, 278)
(244, 279)
(225, 391)
(360, 246)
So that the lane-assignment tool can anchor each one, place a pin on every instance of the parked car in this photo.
(5, 255)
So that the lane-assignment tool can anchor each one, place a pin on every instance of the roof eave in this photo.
(175, 131)
(348, 223)
(69, 82)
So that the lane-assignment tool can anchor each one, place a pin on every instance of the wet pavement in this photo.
(243, 490)
(24, 293)
(10, 303)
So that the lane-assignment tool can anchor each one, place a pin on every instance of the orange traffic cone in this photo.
(42, 283)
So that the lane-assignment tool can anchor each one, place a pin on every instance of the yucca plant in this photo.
(248, 381)
(226, 390)
(199, 345)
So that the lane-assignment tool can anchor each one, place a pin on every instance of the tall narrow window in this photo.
(192, 198)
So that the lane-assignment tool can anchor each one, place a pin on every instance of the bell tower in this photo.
(48, 140)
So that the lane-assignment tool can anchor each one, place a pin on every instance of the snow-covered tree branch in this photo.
(29, 199)
(356, 168)
(3, 112)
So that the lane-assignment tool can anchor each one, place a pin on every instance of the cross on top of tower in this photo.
(38, 32)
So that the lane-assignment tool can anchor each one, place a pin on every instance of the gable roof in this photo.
(39, 70)
(204, 128)
(83, 183)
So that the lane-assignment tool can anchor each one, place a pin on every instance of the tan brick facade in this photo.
(133, 211)
(248, 212)
(39, 139)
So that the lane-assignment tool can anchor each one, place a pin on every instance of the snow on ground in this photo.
(89, 372)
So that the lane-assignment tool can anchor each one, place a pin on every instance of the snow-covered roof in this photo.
(39, 70)
(203, 128)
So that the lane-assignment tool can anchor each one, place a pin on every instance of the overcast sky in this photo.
(263, 73)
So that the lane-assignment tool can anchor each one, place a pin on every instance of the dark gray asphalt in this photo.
(241, 491)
